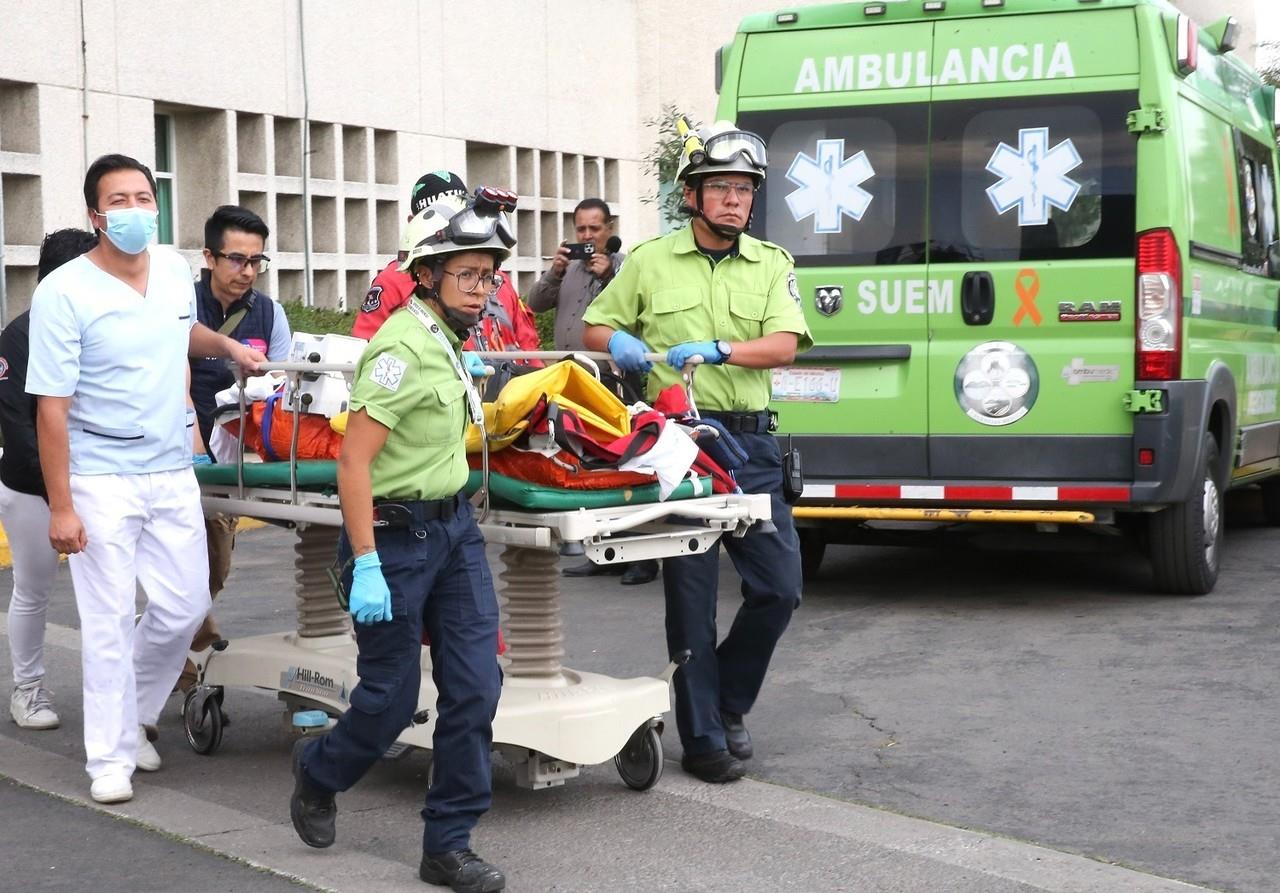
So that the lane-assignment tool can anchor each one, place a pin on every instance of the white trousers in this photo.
(26, 524)
(148, 529)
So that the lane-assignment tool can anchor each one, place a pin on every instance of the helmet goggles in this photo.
(733, 144)
(486, 215)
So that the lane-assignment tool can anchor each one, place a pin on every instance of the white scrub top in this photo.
(122, 358)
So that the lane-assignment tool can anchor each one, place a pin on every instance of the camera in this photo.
(580, 250)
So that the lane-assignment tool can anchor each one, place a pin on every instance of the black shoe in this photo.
(639, 572)
(736, 735)
(716, 767)
(312, 810)
(462, 870)
(591, 569)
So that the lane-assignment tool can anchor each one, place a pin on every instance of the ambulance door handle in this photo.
(977, 298)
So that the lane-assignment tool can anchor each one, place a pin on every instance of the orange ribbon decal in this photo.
(1027, 285)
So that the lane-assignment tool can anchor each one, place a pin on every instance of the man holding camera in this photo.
(578, 272)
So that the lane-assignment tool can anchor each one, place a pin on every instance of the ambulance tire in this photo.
(1271, 501)
(813, 546)
(1185, 540)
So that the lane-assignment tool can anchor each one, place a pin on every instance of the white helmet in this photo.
(722, 148)
(446, 227)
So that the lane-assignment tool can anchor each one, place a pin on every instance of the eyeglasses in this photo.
(721, 188)
(468, 280)
(260, 262)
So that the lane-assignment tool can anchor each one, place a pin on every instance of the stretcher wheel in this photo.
(639, 762)
(202, 720)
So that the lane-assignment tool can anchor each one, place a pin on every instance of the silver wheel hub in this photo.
(1212, 521)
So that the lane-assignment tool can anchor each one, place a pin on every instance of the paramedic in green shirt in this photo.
(414, 554)
(712, 290)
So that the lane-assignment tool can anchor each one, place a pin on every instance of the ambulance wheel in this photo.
(813, 546)
(1185, 540)
(1271, 501)
(202, 720)
(639, 763)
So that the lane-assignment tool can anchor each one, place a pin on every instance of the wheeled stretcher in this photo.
(551, 720)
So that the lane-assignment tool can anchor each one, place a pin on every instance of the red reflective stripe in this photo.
(868, 491)
(999, 493)
(1093, 494)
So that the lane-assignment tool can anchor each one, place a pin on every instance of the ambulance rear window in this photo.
(844, 186)
(1039, 178)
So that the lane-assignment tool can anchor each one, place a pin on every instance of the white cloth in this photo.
(122, 358)
(670, 458)
(148, 529)
(26, 524)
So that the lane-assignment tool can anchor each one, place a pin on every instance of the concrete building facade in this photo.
(318, 115)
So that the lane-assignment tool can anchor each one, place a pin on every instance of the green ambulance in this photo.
(1035, 242)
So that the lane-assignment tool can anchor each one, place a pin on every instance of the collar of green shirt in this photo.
(748, 247)
(448, 332)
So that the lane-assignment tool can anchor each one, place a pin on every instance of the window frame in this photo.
(164, 123)
(1255, 159)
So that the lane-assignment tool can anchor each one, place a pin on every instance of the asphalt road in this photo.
(1035, 694)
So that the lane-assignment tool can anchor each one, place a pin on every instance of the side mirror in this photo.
(1225, 33)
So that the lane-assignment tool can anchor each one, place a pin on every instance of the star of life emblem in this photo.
(830, 186)
(388, 371)
(1033, 177)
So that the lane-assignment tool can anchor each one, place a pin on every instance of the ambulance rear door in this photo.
(845, 114)
(1032, 181)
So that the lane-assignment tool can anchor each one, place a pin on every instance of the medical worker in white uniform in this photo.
(110, 336)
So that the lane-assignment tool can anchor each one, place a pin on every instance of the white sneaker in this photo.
(147, 760)
(31, 707)
(114, 787)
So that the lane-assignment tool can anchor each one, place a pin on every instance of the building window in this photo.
(165, 186)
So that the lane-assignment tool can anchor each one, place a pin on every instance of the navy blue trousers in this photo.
(729, 676)
(439, 580)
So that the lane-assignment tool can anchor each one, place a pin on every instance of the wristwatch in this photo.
(726, 350)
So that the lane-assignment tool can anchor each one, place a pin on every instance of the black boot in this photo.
(736, 735)
(591, 569)
(462, 870)
(716, 767)
(639, 572)
(312, 810)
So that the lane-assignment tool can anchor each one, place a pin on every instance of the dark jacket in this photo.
(20, 463)
(209, 375)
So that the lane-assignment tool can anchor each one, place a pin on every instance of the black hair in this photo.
(598, 204)
(63, 245)
(232, 217)
(107, 164)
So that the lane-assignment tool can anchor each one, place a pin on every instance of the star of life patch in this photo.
(388, 371)
(372, 300)
(794, 288)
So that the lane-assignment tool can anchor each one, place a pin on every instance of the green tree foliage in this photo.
(663, 160)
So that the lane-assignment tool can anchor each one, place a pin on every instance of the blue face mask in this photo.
(131, 229)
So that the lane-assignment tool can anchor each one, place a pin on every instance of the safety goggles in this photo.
(487, 214)
(730, 145)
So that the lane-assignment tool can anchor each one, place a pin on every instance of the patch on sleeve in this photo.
(794, 288)
(387, 371)
(4, 369)
(373, 300)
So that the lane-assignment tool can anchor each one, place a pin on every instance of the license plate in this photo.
(807, 384)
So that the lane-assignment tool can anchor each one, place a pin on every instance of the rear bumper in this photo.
(1026, 471)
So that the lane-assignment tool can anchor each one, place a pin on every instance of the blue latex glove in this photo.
(201, 459)
(628, 352)
(473, 364)
(679, 355)
(370, 598)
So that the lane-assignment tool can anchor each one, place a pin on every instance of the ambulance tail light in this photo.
(1158, 354)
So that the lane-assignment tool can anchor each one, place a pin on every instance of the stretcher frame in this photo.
(551, 720)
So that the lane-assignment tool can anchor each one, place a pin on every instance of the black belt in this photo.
(744, 422)
(394, 514)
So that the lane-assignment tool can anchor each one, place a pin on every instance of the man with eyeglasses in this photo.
(228, 303)
(711, 290)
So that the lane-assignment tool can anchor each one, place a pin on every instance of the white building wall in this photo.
(549, 97)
